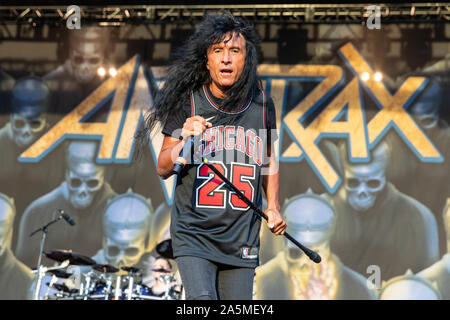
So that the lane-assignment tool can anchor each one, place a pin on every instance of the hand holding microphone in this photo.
(193, 126)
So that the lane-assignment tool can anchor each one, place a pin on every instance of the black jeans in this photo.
(207, 280)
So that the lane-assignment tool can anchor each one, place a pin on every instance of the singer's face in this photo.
(225, 62)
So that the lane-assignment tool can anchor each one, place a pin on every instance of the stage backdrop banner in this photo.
(363, 151)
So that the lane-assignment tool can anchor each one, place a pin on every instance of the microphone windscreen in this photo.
(68, 219)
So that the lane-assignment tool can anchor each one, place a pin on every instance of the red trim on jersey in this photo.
(219, 108)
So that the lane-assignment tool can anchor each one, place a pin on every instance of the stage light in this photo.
(365, 76)
(378, 76)
(112, 71)
(101, 71)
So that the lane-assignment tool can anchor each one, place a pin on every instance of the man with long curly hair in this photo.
(212, 92)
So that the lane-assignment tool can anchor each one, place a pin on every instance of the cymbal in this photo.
(74, 258)
(105, 268)
(60, 273)
(162, 270)
(130, 269)
(62, 287)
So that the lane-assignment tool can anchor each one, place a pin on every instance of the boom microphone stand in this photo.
(41, 270)
(314, 256)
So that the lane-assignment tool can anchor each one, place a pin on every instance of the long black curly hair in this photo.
(188, 71)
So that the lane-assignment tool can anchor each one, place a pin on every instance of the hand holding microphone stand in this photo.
(184, 157)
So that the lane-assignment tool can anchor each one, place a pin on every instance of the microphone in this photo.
(314, 256)
(185, 154)
(66, 217)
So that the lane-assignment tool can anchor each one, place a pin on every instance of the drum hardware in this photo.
(132, 289)
(130, 277)
(118, 290)
(53, 280)
(73, 258)
(60, 273)
(62, 287)
(108, 288)
(129, 290)
(98, 281)
(102, 288)
(41, 271)
(167, 279)
(86, 288)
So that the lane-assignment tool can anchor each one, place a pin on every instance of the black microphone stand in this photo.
(44, 230)
(40, 269)
(314, 256)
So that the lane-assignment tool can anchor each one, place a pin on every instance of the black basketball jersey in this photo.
(208, 219)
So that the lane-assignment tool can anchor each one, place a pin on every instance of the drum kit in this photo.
(96, 281)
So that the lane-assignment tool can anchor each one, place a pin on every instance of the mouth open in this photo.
(226, 72)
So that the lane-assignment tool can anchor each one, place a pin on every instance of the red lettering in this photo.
(250, 143)
(229, 141)
(240, 139)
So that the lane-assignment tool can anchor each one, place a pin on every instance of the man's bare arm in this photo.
(171, 146)
(271, 187)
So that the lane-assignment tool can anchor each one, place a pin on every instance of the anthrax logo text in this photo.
(130, 94)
